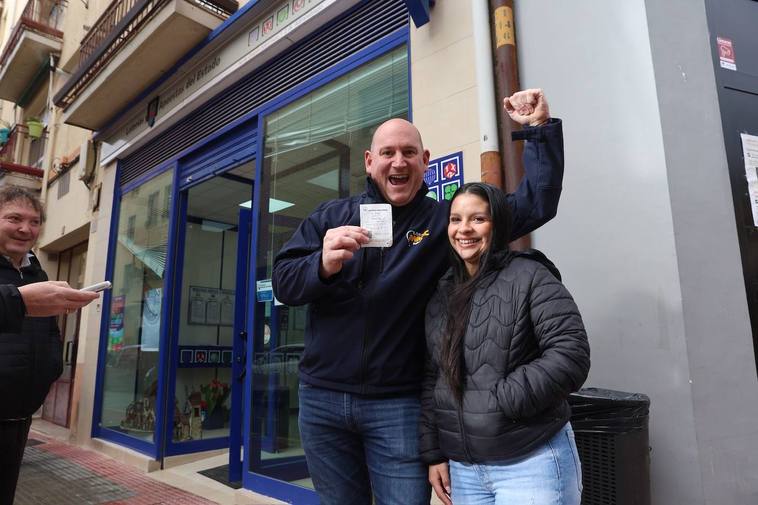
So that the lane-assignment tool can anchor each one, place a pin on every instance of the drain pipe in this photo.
(507, 83)
(491, 171)
(51, 131)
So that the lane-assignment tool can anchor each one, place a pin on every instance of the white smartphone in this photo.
(97, 287)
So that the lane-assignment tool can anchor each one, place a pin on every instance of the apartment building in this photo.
(178, 143)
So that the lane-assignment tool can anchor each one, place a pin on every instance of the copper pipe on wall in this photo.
(506, 83)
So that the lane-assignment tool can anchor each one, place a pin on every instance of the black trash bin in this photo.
(612, 437)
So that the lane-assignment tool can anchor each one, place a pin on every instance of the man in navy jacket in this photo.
(362, 366)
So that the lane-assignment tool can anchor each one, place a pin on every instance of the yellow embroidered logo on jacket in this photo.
(415, 237)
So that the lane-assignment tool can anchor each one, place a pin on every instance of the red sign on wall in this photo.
(726, 53)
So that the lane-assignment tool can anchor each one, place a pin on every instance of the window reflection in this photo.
(313, 152)
(131, 371)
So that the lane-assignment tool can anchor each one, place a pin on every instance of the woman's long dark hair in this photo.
(458, 298)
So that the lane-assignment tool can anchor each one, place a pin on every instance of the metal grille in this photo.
(366, 25)
(597, 452)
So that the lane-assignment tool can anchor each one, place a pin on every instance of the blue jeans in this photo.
(549, 475)
(357, 445)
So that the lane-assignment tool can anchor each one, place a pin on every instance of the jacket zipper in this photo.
(364, 349)
(463, 435)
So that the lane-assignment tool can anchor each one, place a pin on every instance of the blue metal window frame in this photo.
(161, 446)
(148, 448)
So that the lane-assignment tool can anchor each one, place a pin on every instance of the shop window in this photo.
(152, 209)
(313, 152)
(130, 227)
(131, 370)
(166, 202)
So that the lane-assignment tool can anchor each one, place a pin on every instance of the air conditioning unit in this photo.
(87, 162)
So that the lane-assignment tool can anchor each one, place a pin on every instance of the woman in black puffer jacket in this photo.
(506, 346)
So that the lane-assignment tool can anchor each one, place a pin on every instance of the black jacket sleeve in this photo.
(564, 360)
(12, 309)
(535, 201)
(429, 447)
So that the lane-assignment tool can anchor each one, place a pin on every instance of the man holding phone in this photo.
(31, 356)
(49, 298)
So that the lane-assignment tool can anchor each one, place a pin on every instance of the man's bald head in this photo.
(393, 124)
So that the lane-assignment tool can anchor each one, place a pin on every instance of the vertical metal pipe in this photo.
(488, 134)
(507, 83)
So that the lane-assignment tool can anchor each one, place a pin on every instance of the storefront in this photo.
(195, 354)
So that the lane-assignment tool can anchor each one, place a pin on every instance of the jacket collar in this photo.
(30, 260)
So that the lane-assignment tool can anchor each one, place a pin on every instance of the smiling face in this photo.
(397, 161)
(470, 229)
(19, 228)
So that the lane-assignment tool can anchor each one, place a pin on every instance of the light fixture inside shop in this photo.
(329, 180)
(274, 205)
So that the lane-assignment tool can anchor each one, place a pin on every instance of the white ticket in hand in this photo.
(377, 219)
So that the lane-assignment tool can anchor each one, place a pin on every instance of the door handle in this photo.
(67, 352)
(243, 335)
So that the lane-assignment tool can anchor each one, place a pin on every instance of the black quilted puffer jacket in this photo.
(525, 351)
(31, 357)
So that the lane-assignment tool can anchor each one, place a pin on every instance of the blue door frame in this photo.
(226, 152)
(239, 368)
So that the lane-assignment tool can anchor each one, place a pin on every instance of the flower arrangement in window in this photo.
(214, 395)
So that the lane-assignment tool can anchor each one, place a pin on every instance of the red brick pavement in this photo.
(146, 491)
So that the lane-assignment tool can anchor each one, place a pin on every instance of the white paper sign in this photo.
(377, 219)
(750, 155)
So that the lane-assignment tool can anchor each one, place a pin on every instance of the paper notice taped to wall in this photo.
(750, 155)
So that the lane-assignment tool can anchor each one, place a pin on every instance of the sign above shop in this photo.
(198, 80)
(444, 176)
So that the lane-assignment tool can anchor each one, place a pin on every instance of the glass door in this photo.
(207, 355)
(313, 152)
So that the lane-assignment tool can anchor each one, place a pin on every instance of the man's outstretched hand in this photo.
(51, 298)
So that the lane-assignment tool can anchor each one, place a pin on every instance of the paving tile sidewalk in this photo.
(55, 473)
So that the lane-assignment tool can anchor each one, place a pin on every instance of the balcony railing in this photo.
(12, 149)
(42, 16)
(113, 30)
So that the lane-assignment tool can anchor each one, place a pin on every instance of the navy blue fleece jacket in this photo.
(365, 327)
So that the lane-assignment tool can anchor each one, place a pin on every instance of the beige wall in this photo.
(83, 393)
(443, 85)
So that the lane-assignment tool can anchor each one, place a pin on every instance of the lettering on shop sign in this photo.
(266, 30)
(278, 18)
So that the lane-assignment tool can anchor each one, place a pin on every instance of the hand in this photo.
(439, 478)
(51, 298)
(340, 244)
(527, 107)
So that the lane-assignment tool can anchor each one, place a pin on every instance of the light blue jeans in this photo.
(549, 475)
